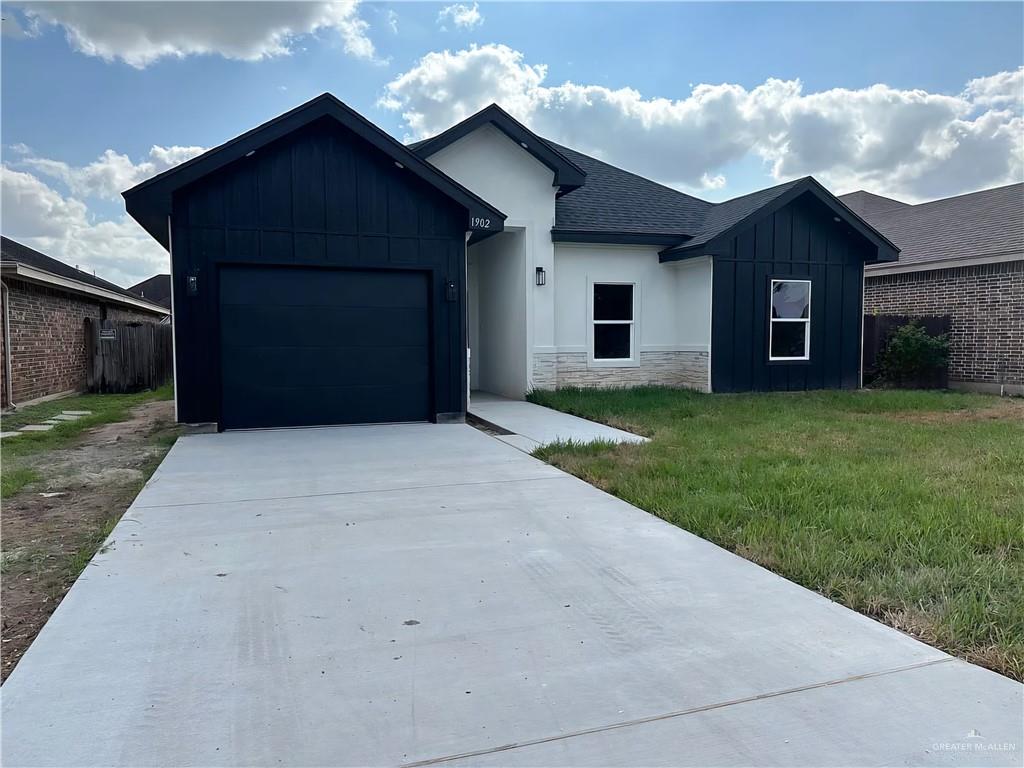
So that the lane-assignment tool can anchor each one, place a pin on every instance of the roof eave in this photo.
(615, 237)
(32, 274)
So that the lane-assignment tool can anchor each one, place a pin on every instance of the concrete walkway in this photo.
(534, 425)
(427, 595)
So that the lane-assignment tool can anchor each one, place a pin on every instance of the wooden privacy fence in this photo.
(878, 329)
(127, 357)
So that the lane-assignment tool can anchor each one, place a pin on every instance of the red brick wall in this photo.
(986, 303)
(48, 339)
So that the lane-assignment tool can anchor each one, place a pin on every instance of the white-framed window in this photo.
(613, 322)
(789, 320)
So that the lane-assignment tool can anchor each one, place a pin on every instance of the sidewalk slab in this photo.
(541, 426)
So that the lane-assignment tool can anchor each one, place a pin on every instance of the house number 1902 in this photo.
(478, 223)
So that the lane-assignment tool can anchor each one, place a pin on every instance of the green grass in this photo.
(105, 409)
(906, 506)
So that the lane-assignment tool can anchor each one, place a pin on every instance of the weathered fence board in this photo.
(128, 357)
(878, 329)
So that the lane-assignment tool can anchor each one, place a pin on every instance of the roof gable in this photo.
(568, 175)
(725, 220)
(149, 203)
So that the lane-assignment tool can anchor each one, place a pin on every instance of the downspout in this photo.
(8, 384)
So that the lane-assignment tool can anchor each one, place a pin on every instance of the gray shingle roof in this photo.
(723, 215)
(863, 203)
(614, 200)
(12, 250)
(156, 289)
(975, 225)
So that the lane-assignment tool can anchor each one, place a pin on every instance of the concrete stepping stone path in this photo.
(37, 428)
(8, 434)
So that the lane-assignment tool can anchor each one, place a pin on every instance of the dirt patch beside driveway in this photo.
(52, 527)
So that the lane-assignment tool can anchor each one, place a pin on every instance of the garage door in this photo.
(302, 347)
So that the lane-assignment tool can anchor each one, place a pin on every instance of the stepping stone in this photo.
(9, 434)
(65, 417)
(37, 428)
(51, 421)
(77, 413)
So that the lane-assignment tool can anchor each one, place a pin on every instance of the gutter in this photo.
(34, 275)
(8, 383)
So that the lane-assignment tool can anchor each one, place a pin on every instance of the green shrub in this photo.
(911, 356)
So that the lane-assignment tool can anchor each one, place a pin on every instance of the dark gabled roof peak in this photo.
(149, 202)
(568, 174)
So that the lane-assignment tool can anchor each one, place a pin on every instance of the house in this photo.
(324, 273)
(961, 256)
(45, 304)
(156, 289)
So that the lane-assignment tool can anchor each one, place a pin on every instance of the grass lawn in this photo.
(105, 409)
(906, 506)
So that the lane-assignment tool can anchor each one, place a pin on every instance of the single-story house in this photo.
(962, 257)
(156, 289)
(324, 273)
(45, 304)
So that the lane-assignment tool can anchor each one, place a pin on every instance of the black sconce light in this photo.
(542, 276)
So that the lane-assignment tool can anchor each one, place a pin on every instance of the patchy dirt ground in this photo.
(52, 527)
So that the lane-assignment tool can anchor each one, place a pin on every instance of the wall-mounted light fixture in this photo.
(542, 276)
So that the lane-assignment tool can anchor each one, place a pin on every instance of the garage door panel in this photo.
(305, 406)
(294, 326)
(304, 366)
(328, 288)
(310, 347)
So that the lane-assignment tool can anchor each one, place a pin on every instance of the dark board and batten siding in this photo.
(318, 198)
(802, 241)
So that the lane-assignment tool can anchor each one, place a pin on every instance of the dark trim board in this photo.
(615, 238)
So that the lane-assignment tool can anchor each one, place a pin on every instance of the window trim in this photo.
(612, 362)
(805, 320)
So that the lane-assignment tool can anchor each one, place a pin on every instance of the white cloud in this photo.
(461, 15)
(140, 33)
(41, 218)
(392, 19)
(1003, 89)
(112, 172)
(910, 144)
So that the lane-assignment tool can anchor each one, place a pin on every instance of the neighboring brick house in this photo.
(964, 257)
(44, 306)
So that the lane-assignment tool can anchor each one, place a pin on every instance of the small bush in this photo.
(911, 356)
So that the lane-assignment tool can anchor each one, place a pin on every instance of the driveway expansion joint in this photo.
(676, 714)
(395, 489)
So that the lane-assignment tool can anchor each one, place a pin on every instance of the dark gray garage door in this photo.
(302, 347)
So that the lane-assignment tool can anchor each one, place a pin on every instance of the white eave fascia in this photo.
(876, 270)
(35, 275)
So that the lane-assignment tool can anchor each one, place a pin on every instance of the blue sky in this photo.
(87, 94)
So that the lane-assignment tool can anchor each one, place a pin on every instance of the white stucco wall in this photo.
(508, 177)
(498, 315)
(673, 300)
(672, 318)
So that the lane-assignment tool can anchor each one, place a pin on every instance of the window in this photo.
(613, 321)
(789, 325)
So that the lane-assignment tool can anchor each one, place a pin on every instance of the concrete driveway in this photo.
(428, 595)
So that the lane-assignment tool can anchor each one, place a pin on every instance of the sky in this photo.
(915, 101)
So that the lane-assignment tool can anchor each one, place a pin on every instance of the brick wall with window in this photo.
(48, 338)
(986, 302)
